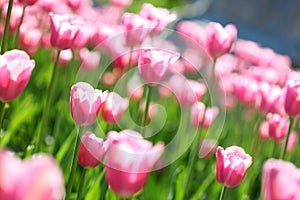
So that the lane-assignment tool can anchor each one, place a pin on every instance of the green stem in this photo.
(283, 150)
(48, 103)
(223, 192)
(6, 27)
(15, 42)
(148, 99)
(212, 79)
(2, 104)
(73, 166)
(81, 185)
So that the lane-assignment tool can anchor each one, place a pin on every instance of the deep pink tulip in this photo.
(219, 40)
(89, 59)
(160, 17)
(278, 126)
(154, 64)
(114, 107)
(187, 92)
(91, 150)
(74, 4)
(292, 98)
(129, 160)
(121, 3)
(198, 115)
(64, 30)
(281, 180)
(28, 2)
(85, 103)
(232, 164)
(15, 72)
(38, 177)
(137, 28)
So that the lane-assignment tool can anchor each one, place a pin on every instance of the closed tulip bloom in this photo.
(219, 40)
(64, 58)
(15, 17)
(292, 98)
(91, 150)
(85, 103)
(154, 64)
(281, 180)
(199, 113)
(30, 39)
(246, 90)
(129, 160)
(137, 28)
(15, 72)
(232, 164)
(38, 177)
(114, 107)
(121, 3)
(74, 4)
(160, 17)
(278, 126)
(89, 59)
(64, 30)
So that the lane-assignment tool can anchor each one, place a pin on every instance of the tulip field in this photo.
(118, 101)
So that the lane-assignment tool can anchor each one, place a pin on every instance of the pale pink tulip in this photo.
(292, 142)
(160, 17)
(30, 39)
(199, 113)
(91, 150)
(278, 126)
(89, 59)
(15, 17)
(231, 165)
(114, 107)
(154, 64)
(15, 72)
(219, 40)
(129, 160)
(264, 131)
(281, 180)
(246, 90)
(207, 148)
(64, 58)
(292, 98)
(38, 177)
(191, 33)
(85, 103)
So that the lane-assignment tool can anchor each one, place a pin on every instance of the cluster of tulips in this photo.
(144, 98)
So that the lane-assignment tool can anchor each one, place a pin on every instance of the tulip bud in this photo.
(85, 103)
(232, 164)
(91, 150)
(292, 98)
(15, 72)
(278, 126)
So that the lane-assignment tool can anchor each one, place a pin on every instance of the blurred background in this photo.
(271, 23)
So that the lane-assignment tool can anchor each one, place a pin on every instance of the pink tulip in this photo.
(219, 40)
(64, 30)
(89, 59)
(264, 131)
(198, 115)
(191, 33)
(30, 39)
(160, 17)
(292, 142)
(137, 28)
(129, 161)
(64, 58)
(74, 4)
(15, 17)
(187, 92)
(207, 148)
(37, 177)
(232, 164)
(91, 150)
(292, 98)
(121, 3)
(281, 180)
(28, 2)
(15, 72)
(154, 64)
(85, 103)
(278, 126)
(114, 107)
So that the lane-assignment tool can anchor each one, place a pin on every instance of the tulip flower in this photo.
(114, 107)
(219, 40)
(292, 98)
(37, 177)
(121, 3)
(28, 2)
(137, 28)
(281, 180)
(85, 103)
(64, 30)
(187, 92)
(278, 126)
(246, 90)
(15, 72)
(160, 17)
(232, 164)
(74, 4)
(64, 58)
(129, 160)
(89, 60)
(91, 150)
(15, 17)
(198, 115)
(154, 64)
